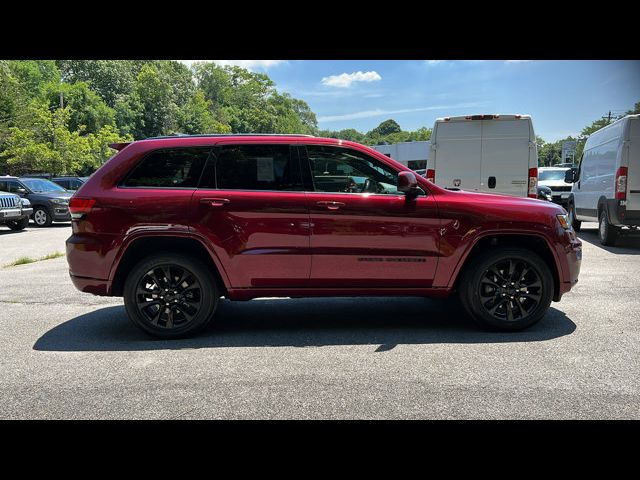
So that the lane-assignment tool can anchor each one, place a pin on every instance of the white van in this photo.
(606, 185)
(485, 153)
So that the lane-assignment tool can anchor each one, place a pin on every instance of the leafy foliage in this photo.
(377, 136)
(60, 116)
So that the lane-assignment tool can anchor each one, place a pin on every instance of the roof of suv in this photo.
(182, 135)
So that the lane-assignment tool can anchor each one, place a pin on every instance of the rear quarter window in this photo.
(170, 168)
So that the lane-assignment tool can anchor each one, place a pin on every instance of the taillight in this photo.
(533, 183)
(431, 175)
(621, 183)
(79, 207)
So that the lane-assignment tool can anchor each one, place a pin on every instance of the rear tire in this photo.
(608, 233)
(18, 225)
(519, 293)
(170, 295)
(573, 221)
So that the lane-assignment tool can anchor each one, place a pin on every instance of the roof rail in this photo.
(231, 135)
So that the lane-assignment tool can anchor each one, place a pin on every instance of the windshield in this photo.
(551, 174)
(40, 185)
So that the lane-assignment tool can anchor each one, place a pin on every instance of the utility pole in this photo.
(62, 101)
(608, 119)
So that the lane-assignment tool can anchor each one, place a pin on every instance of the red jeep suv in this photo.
(174, 223)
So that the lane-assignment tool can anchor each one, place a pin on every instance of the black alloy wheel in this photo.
(510, 290)
(506, 288)
(170, 295)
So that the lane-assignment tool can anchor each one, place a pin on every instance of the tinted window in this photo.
(254, 167)
(349, 171)
(175, 168)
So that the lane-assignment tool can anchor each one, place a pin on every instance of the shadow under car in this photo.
(308, 322)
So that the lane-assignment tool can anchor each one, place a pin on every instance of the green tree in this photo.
(111, 79)
(385, 128)
(196, 117)
(89, 113)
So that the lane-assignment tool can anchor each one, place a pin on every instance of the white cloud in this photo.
(344, 80)
(380, 112)
(433, 62)
(248, 64)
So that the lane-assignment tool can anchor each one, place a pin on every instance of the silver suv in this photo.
(14, 211)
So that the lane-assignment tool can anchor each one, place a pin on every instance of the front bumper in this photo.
(15, 213)
(573, 256)
(561, 198)
(61, 213)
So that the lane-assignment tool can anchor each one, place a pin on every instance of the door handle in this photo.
(330, 205)
(215, 202)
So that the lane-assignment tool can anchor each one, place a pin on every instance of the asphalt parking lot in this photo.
(73, 355)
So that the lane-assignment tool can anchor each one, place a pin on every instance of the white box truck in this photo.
(485, 153)
(606, 184)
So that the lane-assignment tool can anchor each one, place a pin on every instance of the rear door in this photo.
(457, 154)
(633, 171)
(251, 207)
(505, 156)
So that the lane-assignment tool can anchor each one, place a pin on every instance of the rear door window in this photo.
(254, 167)
(170, 168)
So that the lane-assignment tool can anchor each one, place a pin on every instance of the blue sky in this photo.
(561, 96)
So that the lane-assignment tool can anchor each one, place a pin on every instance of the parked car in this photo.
(485, 153)
(553, 177)
(174, 223)
(544, 193)
(606, 185)
(50, 201)
(69, 183)
(14, 211)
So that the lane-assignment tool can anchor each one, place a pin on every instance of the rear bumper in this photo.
(91, 285)
(620, 216)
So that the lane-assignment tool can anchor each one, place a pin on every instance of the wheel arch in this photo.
(144, 246)
(535, 242)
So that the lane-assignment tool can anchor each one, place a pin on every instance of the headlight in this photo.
(60, 201)
(25, 202)
(564, 221)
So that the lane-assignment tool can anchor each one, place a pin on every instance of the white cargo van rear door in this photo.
(457, 154)
(505, 156)
(633, 168)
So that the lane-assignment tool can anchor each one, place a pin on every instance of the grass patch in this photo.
(25, 260)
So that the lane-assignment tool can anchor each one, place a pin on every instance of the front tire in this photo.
(42, 217)
(170, 295)
(18, 225)
(608, 233)
(508, 289)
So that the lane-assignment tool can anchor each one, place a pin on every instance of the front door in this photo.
(365, 233)
(251, 207)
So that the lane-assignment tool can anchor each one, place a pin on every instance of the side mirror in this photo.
(408, 184)
(570, 175)
(21, 191)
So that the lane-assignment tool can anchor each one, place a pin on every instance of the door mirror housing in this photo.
(21, 191)
(570, 175)
(408, 184)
